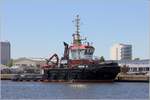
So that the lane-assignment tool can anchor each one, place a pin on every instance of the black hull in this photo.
(93, 73)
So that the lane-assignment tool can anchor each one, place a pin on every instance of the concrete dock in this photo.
(6, 76)
(132, 78)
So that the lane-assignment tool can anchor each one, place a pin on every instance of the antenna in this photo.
(77, 20)
(76, 35)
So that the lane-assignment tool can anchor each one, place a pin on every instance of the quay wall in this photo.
(132, 78)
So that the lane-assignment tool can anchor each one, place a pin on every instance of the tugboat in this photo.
(77, 63)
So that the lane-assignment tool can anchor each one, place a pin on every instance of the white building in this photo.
(136, 66)
(121, 52)
(29, 62)
(4, 52)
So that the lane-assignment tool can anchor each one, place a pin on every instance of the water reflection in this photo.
(78, 85)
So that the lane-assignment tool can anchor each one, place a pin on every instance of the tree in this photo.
(10, 63)
(136, 58)
(124, 69)
(102, 59)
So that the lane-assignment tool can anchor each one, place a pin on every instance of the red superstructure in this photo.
(76, 54)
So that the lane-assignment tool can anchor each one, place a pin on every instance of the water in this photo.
(40, 90)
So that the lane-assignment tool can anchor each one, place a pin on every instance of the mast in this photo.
(76, 35)
(77, 24)
(78, 50)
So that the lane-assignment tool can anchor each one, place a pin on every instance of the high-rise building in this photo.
(121, 52)
(4, 52)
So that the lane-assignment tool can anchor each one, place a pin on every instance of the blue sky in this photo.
(37, 28)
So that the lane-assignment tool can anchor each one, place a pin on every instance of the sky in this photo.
(37, 28)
